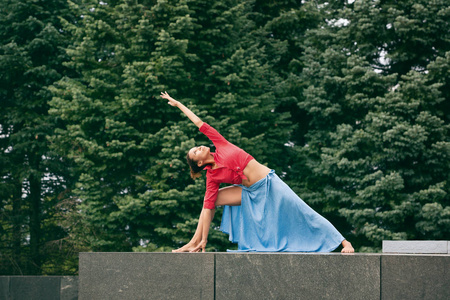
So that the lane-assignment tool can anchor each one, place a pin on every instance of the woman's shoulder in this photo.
(213, 135)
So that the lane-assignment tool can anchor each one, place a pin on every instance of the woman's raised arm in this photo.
(193, 117)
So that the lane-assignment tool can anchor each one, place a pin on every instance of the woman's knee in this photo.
(230, 195)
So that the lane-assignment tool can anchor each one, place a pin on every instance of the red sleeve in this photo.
(213, 135)
(212, 189)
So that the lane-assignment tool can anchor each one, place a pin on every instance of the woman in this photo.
(261, 213)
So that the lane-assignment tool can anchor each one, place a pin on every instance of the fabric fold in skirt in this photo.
(273, 218)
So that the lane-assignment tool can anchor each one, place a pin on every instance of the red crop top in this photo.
(230, 160)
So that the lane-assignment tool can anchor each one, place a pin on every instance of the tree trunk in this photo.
(16, 222)
(35, 222)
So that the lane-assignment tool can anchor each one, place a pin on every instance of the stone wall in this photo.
(263, 276)
(38, 287)
(146, 276)
(241, 276)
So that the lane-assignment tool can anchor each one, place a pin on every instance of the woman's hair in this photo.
(195, 169)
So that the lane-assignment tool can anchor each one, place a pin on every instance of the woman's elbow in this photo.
(198, 123)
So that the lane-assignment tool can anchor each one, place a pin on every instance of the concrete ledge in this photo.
(415, 277)
(4, 287)
(297, 276)
(241, 276)
(431, 247)
(263, 276)
(39, 287)
(146, 276)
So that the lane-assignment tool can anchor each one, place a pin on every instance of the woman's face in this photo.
(199, 154)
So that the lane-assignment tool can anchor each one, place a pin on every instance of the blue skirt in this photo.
(273, 218)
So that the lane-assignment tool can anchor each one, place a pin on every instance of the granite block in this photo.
(415, 277)
(297, 276)
(69, 288)
(35, 287)
(4, 287)
(424, 247)
(146, 276)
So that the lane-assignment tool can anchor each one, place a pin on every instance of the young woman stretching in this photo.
(261, 213)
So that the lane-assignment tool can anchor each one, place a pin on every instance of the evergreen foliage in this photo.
(128, 145)
(348, 101)
(377, 139)
(32, 176)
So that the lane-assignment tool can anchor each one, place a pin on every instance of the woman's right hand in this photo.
(172, 101)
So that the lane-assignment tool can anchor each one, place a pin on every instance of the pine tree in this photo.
(115, 126)
(90, 137)
(374, 108)
(31, 60)
(129, 145)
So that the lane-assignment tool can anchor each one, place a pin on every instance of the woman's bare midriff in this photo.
(254, 171)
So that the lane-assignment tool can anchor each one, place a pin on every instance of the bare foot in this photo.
(348, 248)
(186, 248)
(200, 247)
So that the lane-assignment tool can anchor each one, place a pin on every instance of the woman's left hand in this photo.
(172, 101)
(200, 247)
